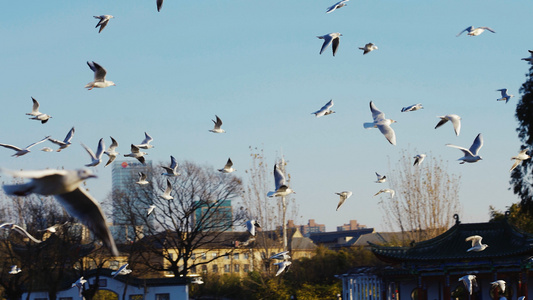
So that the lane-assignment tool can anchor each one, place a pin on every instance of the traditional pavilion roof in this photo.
(504, 241)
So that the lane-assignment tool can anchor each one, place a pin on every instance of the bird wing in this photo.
(441, 122)
(279, 178)
(335, 45)
(327, 40)
(279, 255)
(99, 71)
(93, 157)
(333, 7)
(114, 144)
(388, 132)
(488, 28)
(475, 239)
(147, 139)
(24, 232)
(69, 135)
(103, 23)
(35, 108)
(110, 160)
(168, 189)
(11, 147)
(173, 163)
(250, 227)
(477, 144)
(465, 151)
(376, 113)
(467, 29)
(31, 145)
(100, 149)
(323, 109)
(159, 4)
(134, 149)
(456, 122)
(218, 122)
(142, 176)
(229, 164)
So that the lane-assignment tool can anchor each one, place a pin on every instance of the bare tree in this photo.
(425, 201)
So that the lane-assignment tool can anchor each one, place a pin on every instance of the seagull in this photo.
(380, 178)
(284, 265)
(64, 185)
(476, 31)
(477, 246)
(251, 225)
(344, 195)
(145, 144)
(217, 128)
(336, 5)
(419, 158)
(95, 158)
(412, 107)
(391, 191)
(135, 153)
(455, 119)
(142, 179)
(47, 149)
(150, 210)
(500, 283)
(99, 77)
(35, 109)
(23, 151)
(334, 38)
(172, 170)
(166, 195)
(505, 97)
(20, 230)
(53, 228)
(159, 5)
(468, 281)
(381, 123)
(42, 117)
(228, 168)
(471, 155)
(14, 270)
(111, 153)
(368, 48)
(123, 270)
(66, 142)
(519, 158)
(325, 110)
(79, 284)
(104, 19)
(282, 189)
(530, 59)
(281, 256)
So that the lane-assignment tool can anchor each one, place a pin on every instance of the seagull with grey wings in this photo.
(330, 39)
(136, 153)
(14, 270)
(166, 195)
(251, 226)
(36, 114)
(282, 189)
(368, 48)
(95, 158)
(66, 142)
(281, 256)
(142, 179)
(390, 191)
(23, 151)
(343, 196)
(217, 127)
(13, 226)
(282, 266)
(381, 123)
(337, 5)
(104, 19)
(470, 155)
(325, 110)
(505, 96)
(413, 107)
(380, 178)
(228, 168)
(99, 77)
(145, 144)
(123, 270)
(499, 283)
(111, 152)
(171, 170)
(477, 246)
(520, 158)
(419, 158)
(455, 119)
(476, 31)
(469, 281)
(64, 185)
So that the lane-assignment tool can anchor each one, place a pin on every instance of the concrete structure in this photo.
(337, 239)
(352, 225)
(306, 230)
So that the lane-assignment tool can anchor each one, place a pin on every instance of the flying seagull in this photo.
(218, 124)
(142, 179)
(136, 153)
(111, 152)
(344, 195)
(282, 266)
(228, 168)
(53, 228)
(42, 117)
(172, 170)
(519, 158)
(23, 151)
(455, 119)
(477, 246)
(35, 109)
(79, 284)
(469, 281)
(325, 110)
(501, 284)
(145, 144)
(99, 77)
(331, 38)
(20, 230)
(470, 155)
(368, 48)
(281, 256)
(336, 5)
(64, 185)
(47, 149)
(419, 158)
(123, 270)
(95, 158)
(505, 97)
(412, 107)
(380, 178)
(391, 191)
(104, 19)
(476, 31)
(281, 188)
(150, 210)
(251, 225)
(14, 270)
(166, 195)
(381, 123)
(66, 142)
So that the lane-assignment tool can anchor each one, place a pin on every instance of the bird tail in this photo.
(368, 125)
(18, 189)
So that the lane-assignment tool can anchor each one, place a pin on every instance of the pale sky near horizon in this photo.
(256, 64)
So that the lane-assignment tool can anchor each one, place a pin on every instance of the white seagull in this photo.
(336, 5)
(150, 210)
(172, 170)
(79, 284)
(281, 188)
(413, 107)
(501, 284)
(166, 195)
(282, 266)
(419, 158)
(23, 151)
(519, 158)
(380, 178)
(111, 152)
(96, 159)
(145, 144)
(136, 153)
(35, 109)
(477, 246)
(331, 38)
(251, 225)
(142, 179)
(530, 58)
(381, 123)
(505, 97)
(42, 117)
(469, 281)
(99, 77)
(391, 191)
(104, 19)
(66, 142)
(455, 119)
(13, 226)
(471, 155)
(14, 270)
(281, 256)
(64, 185)
(228, 168)
(123, 270)
(325, 110)
(218, 124)
(344, 195)
(368, 48)
(476, 31)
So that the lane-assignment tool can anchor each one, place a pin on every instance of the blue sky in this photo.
(256, 65)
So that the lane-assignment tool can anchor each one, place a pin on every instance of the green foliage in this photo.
(518, 217)
(319, 291)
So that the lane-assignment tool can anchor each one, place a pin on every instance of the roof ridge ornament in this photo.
(507, 214)
(456, 217)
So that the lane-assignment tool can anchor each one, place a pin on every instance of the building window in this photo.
(204, 255)
(204, 269)
(227, 268)
(226, 256)
(136, 297)
(193, 269)
(236, 268)
(235, 255)
(162, 296)
(246, 268)
(215, 268)
(246, 255)
(193, 256)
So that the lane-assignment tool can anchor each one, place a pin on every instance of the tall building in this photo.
(219, 218)
(306, 230)
(353, 225)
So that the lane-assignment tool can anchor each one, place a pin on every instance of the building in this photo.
(220, 215)
(353, 225)
(335, 240)
(306, 230)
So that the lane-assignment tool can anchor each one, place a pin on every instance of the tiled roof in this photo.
(333, 237)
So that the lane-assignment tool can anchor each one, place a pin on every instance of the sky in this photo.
(256, 64)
